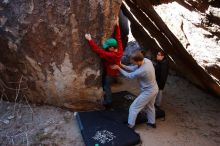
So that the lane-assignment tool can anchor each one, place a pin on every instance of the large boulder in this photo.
(44, 55)
(196, 24)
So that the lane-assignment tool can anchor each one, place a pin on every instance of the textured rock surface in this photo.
(198, 29)
(44, 54)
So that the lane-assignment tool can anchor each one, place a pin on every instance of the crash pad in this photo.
(109, 127)
(105, 128)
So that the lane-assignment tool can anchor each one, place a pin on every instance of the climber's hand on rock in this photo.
(88, 36)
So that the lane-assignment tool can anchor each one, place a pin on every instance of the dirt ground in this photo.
(192, 119)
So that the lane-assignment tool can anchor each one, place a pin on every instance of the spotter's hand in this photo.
(115, 67)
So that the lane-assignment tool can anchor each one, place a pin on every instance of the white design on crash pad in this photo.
(129, 97)
(104, 136)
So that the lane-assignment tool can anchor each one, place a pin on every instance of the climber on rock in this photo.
(111, 53)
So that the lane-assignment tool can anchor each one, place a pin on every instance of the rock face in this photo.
(44, 56)
(198, 29)
(190, 37)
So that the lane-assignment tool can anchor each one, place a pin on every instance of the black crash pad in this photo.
(109, 127)
(123, 100)
(105, 128)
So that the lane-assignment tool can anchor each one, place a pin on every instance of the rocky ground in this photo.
(192, 118)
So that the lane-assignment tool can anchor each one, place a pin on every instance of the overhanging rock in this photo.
(151, 31)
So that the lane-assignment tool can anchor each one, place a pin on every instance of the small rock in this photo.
(75, 113)
(61, 122)
(48, 130)
(5, 1)
(5, 121)
(67, 116)
(11, 117)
